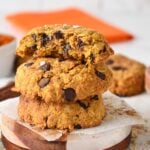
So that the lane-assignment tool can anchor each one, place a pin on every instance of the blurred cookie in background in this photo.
(147, 79)
(128, 75)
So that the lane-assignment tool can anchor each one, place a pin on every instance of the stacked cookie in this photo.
(62, 82)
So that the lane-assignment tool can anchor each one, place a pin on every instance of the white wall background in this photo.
(95, 6)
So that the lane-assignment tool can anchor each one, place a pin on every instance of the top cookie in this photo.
(65, 42)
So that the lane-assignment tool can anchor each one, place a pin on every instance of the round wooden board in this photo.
(62, 145)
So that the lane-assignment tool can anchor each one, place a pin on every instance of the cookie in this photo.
(65, 42)
(61, 116)
(147, 79)
(128, 75)
(56, 81)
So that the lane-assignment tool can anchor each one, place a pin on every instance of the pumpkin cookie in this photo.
(56, 81)
(128, 75)
(65, 42)
(62, 116)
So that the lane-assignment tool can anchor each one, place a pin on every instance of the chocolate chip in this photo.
(45, 67)
(100, 75)
(60, 58)
(53, 54)
(34, 37)
(84, 105)
(116, 68)
(67, 47)
(44, 39)
(43, 82)
(69, 94)
(92, 58)
(109, 62)
(30, 50)
(95, 97)
(77, 126)
(77, 116)
(58, 35)
(104, 49)
(80, 43)
(28, 64)
(83, 60)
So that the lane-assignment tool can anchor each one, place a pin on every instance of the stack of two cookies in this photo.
(62, 82)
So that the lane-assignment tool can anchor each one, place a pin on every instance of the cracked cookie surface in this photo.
(65, 42)
(128, 75)
(58, 82)
(64, 116)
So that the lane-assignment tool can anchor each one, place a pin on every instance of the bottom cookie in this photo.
(61, 116)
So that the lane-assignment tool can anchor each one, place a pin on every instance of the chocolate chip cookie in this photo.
(128, 75)
(65, 42)
(62, 116)
(64, 81)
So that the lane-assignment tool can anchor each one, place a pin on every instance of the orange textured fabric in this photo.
(28, 20)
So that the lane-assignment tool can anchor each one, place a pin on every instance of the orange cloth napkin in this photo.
(27, 20)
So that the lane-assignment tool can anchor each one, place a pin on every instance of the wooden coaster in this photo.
(15, 136)
(6, 92)
(62, 145)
